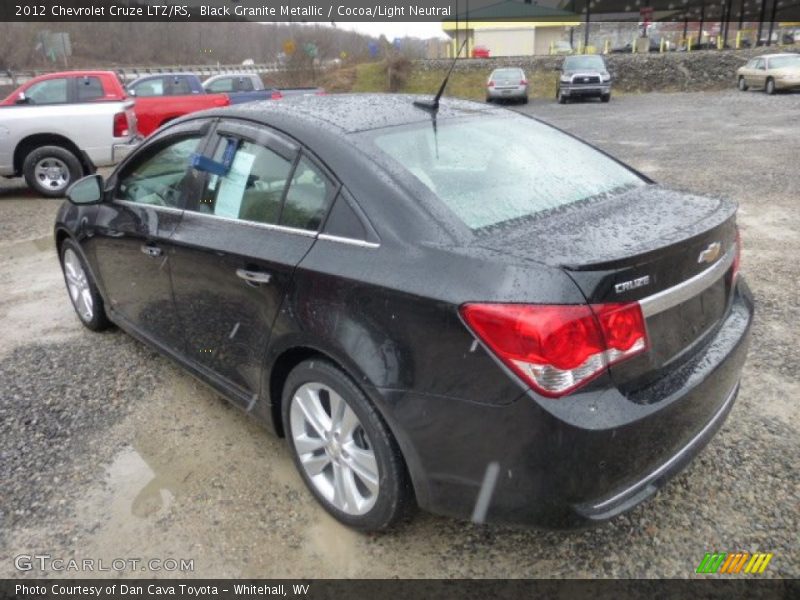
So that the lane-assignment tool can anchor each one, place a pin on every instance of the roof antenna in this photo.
(433, 105)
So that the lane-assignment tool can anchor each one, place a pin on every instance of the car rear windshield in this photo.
(491, 170)
(507, 74)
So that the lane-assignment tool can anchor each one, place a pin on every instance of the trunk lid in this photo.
(672, 251)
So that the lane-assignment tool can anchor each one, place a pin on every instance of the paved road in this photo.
(111, 451)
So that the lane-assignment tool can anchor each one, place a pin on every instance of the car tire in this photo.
(50, 170)
(368, 494)
(82, 289)
(524, 99)
(742, 84)
(562, 99)
(769, 87)
(605, 98)
(488, 100)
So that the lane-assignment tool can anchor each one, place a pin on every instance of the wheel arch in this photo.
(291, 356)
(30, 143)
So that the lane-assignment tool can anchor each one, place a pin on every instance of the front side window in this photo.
(89, 88)
(221, 86)
(50, 91)
(252, 190)
(492, 170)
(158, 179)
(151, 87)
(308, 197)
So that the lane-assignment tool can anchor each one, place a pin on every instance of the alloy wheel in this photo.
(334, 449)
(78, 285)
(52, 173)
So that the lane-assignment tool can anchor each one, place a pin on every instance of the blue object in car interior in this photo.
(202, 163)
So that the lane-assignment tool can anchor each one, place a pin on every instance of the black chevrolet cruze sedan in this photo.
(465, 310)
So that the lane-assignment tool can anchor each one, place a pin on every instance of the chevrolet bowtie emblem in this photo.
(710, 254)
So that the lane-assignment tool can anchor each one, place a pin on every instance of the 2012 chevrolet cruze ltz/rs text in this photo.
(432, 306)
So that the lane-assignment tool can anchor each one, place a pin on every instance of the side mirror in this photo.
(88, 190)
(132, 93)
(22, 98)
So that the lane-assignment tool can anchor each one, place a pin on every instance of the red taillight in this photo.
(558, 348)
(490, 84)
(121, 127)
(523, 82)
(276, 96)
(737, 258)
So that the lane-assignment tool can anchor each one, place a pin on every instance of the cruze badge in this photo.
(710, 254)
(627, 286)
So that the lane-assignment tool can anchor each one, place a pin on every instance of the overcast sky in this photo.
(396, 29)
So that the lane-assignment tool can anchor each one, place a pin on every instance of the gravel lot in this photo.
(109, 450)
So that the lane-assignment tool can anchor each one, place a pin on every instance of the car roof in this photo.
(76, 74)
(349, 113)
(778, 55)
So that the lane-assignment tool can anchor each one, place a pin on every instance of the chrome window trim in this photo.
(346, 240)
(268, 226)
(171, 209)
(666, 299)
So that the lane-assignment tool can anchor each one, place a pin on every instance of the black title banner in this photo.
(567, 12)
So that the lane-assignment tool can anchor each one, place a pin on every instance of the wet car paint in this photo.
(373, 308)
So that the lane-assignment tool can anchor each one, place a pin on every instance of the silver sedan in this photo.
(507, 84)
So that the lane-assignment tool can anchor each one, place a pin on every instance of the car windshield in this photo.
(492, 170)
(574, 63)
(782, 62)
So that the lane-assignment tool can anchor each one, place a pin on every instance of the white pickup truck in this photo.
(54, 145)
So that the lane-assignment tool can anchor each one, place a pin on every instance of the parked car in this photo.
(477, 313)
(165, 97)
(562, 47)
(507, 84)
(770, 72)
(58, 127)
(583, 76)
(241, 87)
(480, 52)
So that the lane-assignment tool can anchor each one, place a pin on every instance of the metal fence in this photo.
(15, 78)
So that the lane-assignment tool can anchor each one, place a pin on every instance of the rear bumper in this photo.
(520, 92)
(574, 461)
(573, 90)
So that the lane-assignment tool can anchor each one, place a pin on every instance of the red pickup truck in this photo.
(152, 111)
(164, 97)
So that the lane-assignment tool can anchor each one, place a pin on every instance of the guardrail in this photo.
(15, 78)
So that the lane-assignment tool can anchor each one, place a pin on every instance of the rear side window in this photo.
(245, 84)
(492, 170)
(179, 86)
(50, 91)
(308, 197)
(89, 88)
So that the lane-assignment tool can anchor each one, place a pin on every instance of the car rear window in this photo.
(491, 170)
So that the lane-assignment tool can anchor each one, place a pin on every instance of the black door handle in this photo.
(254, 278)
(151, 250)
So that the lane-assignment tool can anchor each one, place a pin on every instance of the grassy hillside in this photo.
(371, 77)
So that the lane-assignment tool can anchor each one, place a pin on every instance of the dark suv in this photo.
(583, 76)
